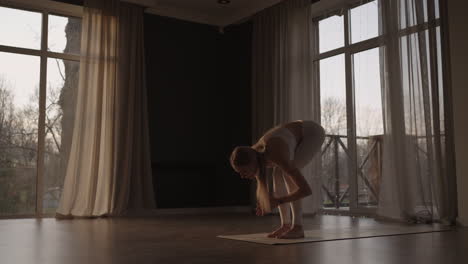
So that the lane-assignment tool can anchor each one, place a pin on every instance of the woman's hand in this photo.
(274, 202)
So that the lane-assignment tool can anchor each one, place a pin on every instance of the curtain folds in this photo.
(283, 88)
(108, 171)
(416, 182)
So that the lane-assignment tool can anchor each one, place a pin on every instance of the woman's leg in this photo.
(296, 230)
(280, 190)
(296, 206)
(313, 137)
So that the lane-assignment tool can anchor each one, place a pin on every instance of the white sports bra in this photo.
(287, 136)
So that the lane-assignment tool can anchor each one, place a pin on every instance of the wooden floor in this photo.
(192, 239)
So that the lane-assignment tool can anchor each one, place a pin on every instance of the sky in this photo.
(363, 25)
(20, 28)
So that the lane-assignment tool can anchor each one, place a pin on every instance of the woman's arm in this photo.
(279, 156)
(303, 189)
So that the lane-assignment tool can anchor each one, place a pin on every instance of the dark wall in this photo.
(199, 108)
(234, 78)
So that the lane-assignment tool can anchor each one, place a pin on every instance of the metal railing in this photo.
(336, 196)
(333, 144)
(18, 178)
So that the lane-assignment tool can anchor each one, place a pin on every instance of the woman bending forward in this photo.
(287, 149)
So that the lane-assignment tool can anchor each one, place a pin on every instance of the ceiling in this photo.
(206, 11)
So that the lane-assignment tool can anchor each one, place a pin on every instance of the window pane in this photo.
(335, 172)
(19, 92)
(364, 22)
(20, 28)
(443, 137)
(64, 34)
(412, 12)
(441, 82)
(369, 123)
(417, 92)
(437, 8)
(62, 82)
(416, 82)
(333, 95)
(331, 33)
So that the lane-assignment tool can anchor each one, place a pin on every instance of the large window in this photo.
(39, 68)
(351, 62)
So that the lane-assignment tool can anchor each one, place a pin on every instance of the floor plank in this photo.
(192, 239)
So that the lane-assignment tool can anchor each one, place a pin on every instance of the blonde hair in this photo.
(241, 156)
(263, 196)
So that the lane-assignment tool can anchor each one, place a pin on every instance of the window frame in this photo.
(46, 8)
(348, 50)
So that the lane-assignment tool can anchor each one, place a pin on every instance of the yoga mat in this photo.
(329, 234)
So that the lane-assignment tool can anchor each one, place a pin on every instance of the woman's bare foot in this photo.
(295, 232)
(279, 231)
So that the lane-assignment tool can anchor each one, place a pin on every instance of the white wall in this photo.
(458, 21)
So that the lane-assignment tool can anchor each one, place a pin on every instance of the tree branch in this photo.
(60, 70)
(53, 134)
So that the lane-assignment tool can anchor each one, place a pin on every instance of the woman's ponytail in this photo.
(242, 156)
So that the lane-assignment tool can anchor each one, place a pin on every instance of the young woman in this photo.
(287, 149)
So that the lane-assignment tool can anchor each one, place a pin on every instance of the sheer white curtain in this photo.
(417, 185)
(108, 170)
(283, 88)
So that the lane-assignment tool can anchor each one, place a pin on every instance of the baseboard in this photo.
(462, 222)
(192, 211)
(339, 212)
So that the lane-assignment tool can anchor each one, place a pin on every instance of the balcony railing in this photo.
(336, 185)
(18, 172)
(369, 169)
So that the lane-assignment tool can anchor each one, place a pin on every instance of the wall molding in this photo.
(183, 14)
(214, 17)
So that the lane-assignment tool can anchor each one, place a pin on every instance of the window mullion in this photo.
(63, 56)
(18, 50)
(42, 114)
(329, 54)
(419, 28)
(350, 113)
(353, 48)
(366, 45)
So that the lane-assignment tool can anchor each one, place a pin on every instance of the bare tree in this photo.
(18, 142)
(6, 122)
(334, 116)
